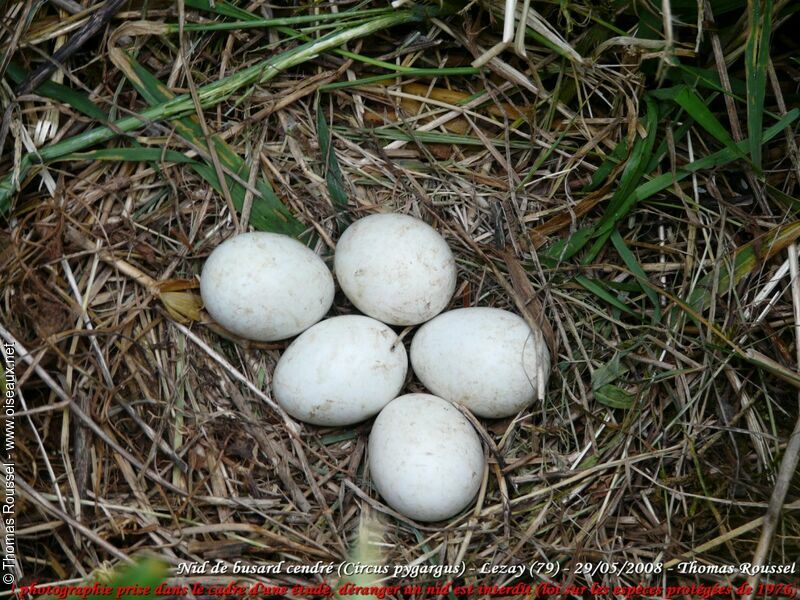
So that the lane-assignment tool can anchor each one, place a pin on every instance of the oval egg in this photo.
(265, 286)
(425, 458)
(487, 359)
(395, 268)
(340, 371)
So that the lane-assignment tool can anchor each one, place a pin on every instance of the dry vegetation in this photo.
(631, 179)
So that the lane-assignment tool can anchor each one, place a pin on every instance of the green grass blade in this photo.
(248, 20)
(208, 95)
(226, 9)
(546, 154)
(366, 550)
(597, 288)
(633, 172)
(222, 8)
(612, 160)
(129, 155)
(756, 61)
(333, 174)
(565, 249)
(660, 152)
(614, 397)
(789, 202)
(55, 91)
(709, 79)
(267, 213)
(146, 574)
(431, 137)
(697, 108)
(745, 260)
(609, 372)
(416, 72)
(638, 273)
(717, 159)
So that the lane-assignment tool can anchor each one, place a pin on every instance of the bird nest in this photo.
(622, 177)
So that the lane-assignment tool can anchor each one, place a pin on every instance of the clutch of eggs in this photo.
(425, 458)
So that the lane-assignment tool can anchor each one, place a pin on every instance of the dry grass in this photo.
(145, 428)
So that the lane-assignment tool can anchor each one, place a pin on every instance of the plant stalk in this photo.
(209, 95)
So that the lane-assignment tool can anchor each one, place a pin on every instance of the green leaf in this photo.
(612, 160)
(637, 271)
(634, 169)
(391, 132)
(597, 288)
(717, 159)
(130, 155)
(249, 20)
(614, 397)
(566, 249)
(580, 237)
(420, 11)
(545, 155)
(333, 174)
(789, 202)
(55, 91)
(625, 198)
(685, 97)
(745, 260)
(267, 213)
(662, 149)
(609, 372)
(145, 573)
(756, 60)
(367, 549)
(662, 182)
(223, 8)
(211, 95)
(709, 79)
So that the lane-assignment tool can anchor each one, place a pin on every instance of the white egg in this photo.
(395, 268)
(265, 286)
(425, 458)
(487, 359)
(340, 371)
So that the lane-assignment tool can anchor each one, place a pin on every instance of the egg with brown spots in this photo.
(395, 268)
(265, 286)
(425, 458)
(340, 371)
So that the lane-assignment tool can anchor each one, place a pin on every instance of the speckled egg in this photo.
(395, 268)
(425, 458)
(340, 371)
(265, 286)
